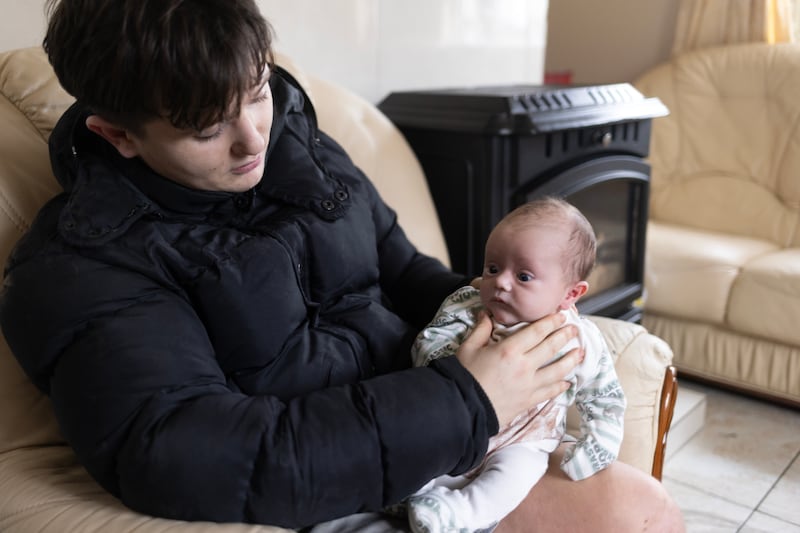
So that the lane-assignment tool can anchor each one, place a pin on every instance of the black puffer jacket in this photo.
(238, 357)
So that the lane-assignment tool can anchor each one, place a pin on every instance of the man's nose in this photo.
(249, 138)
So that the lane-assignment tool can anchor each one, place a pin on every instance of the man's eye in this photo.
(206, 135)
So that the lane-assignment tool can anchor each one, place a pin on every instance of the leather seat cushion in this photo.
(691, 273)
(765, 300)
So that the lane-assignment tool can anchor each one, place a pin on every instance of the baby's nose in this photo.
(503, 282)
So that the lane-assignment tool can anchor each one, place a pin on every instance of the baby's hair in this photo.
(581, 250)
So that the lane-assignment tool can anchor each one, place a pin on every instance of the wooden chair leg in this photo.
(669, 392)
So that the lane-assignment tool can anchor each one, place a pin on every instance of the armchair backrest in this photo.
(31, 101)
(727, 158)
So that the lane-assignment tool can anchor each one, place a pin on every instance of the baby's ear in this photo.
(573, 294)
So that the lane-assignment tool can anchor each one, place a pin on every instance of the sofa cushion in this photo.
(726, 157)
(765, 300)
(690, 273)
(45, 490)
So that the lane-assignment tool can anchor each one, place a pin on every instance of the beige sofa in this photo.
(723, 244)
(43, 489)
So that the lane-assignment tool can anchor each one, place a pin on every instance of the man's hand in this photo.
(511, 371)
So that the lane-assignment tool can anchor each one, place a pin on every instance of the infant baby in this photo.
(537, 260)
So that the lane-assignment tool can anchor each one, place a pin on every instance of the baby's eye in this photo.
(491, 269)
(524, 277)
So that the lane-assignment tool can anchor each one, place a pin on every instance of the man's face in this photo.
(228, 156)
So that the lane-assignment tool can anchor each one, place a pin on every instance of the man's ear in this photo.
(120, 138)
(573, 294)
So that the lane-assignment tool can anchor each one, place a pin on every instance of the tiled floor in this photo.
(740, 472)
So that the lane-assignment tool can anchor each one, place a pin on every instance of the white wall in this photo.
(610, 41)
(376, 46)
(22, 23)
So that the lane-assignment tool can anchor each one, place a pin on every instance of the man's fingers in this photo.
(532, 335)
(476, 339)
(480, 334)
(558, 370)
(543, 351)
(548, 392)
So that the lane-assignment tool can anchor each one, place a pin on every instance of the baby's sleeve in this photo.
(601, 404)
(448, 329)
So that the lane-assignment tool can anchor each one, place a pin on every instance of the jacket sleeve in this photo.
(415, 283)
(140, 396)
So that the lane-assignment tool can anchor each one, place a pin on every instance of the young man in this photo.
(222, 304)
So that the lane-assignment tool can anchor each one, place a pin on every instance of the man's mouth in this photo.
(247, 167)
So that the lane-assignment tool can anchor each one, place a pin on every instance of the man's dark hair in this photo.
(129, 61)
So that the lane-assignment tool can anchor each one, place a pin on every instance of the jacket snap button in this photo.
(328, 205)
(341, 195)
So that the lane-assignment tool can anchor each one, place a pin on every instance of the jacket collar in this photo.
(107, 192)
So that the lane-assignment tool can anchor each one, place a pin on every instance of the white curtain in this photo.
(704, 23)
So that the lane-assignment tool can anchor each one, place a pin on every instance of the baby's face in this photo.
(523, 275)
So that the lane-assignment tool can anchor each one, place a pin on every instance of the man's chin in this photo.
(247, 181)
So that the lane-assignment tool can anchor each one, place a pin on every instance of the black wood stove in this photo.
(486, 150)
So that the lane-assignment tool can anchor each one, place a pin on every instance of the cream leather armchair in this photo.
(43, 488)
(722, 270)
